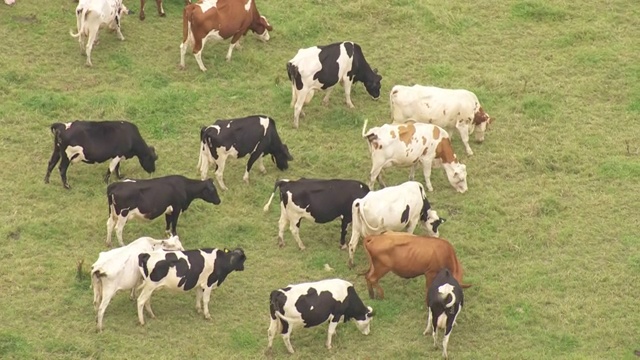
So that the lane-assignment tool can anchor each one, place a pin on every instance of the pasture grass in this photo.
(547, 233)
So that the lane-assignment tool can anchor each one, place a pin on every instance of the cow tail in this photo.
(96, 285)
(56, 130)
(142, 263)
(359, 212)
(81, 27)
(275, 187)
(364, 128)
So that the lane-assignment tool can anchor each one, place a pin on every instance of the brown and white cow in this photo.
(408, 256)
(447, 108)
(410, 143)
(219, 20)
(159, 5)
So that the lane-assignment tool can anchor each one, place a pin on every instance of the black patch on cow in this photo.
(277, 299)
(225, 263)
(316, 308)
(328, 74)
(161, 268)
(355, 307)
(294, 75)
(142, 262)
(405, 215)
(189, 278)
(349, 48)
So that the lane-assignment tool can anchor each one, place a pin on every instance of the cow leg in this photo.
(374, 175)
(64, 165)
(107, 293)
(111, 223)
(112, 167)
(261, 167)
(122, 220)
(118, 30)
(325, 100)
(147, 307)
(332, 331)
(252, 159)
(117, 170)
(353, 243)
(220, 162)
(94, 26)
(206, 296)
(300, 99)
(445, 341)
(286, 337)
(309, 97)
(160, 8)
(373, 277)
(426, 171)
(199, 292)
(429, 318)
(412, 172)
(143, 298)
(55, 157)
(173, 218)
(234, 42)
(347, 91)
(271, 332)
(434, 333)
(294, 92)
(282, 224)
(142, 9)
(343, 232)
(294, 227)
(463, 129)
(197, 52)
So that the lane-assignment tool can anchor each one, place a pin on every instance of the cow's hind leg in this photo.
(274, 327)
(199, 292)
(294, 227)
(93, 25)
(206, 296)
(143, 298)
(286, 337)
(108, 290)
(294, 93)
(197, 52)
(300, 100)
(331, 332)
(55, 157)
(325, 100)
(219, 173)
(261, 167)
(122, 221)
(426, 171)
(160, 8)
(111, 223)
(347, 91)
(282, 224)
(429, 318)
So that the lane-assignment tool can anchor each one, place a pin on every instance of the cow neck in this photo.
(444, 151)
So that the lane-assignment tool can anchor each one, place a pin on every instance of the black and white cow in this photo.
(445, 300)
(202, 270)
(322, 67)
(148, 199)
(318, 200)
(96, 142)
(252, 135)
(313, 303)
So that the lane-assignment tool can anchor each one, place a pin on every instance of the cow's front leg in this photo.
(199, 293)
(64, 165)
(347, 92)
(160, 8)
(325, 100)
(261, 167)
(463, 129)
(282, 224)
(142, 16)
(332, 331)
(175, 214)
(426, 170)
(206, 296)
(252, 159)
(234, 41)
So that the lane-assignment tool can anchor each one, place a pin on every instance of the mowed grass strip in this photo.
(547, 233)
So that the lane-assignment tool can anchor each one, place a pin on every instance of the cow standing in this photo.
(202, 270)
(395, 208)
(445, 299)
(313, 303)
(255, 136)
(148, 199)
(91, 15)
(408, 144)
(219, 20)
(318, 200)
(408, 256)
(96, 142)
(322, 67)
(447, 108)
(159, 6)
(117, 269)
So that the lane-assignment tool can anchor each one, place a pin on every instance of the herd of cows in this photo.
(385, 218)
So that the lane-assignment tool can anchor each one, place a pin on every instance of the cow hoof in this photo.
(302, 248)
(207, 317)
(46, 180)
(142, 16)
(181, 67)
(343, 247)
(163, 15)
(66, 186)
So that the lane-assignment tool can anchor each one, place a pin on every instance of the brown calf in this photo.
(159, 5)
(408, 256)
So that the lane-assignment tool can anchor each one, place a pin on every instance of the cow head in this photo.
(457, 175)
(261, 28)
(432, 222)
(148, 160)
(209, 193)
(172, 243)
(481, 122)
(372, 84)
(365, 325)
(282, 157)
(236, 259)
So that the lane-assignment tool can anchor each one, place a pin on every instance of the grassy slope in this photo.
(547, 232)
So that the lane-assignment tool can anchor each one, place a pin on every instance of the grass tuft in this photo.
(537, 11)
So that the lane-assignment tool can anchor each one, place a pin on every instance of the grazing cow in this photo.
(407, 144)
(318, 200)
(219, 20)
(313, 303)
(91, 15)
(447, 108)
(202, 269)
(159, 5)
(96, 142)
(117, 269)
(398, 208)
(408, 256)
(322, 67)
(148, 199)
(255, 136)
(445, 302)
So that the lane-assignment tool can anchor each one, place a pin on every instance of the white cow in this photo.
(91, 15)
(395, 208)
(410, 143)
(117, 269)
(447, 108)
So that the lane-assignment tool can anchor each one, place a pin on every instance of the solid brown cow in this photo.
(219, 20)
(159, 5)
(408, 256)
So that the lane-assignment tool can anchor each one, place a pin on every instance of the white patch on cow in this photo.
(265, 124)
(442, 321)
(212, 35)
(128, 180)
(67, 125)
(135, 214)
(311, 308)
(247, 6)
(207, 4)
(72, 151)
(169, 210)
(114, 162)
(229, 125)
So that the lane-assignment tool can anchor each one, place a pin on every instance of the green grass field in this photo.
(547, 233)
